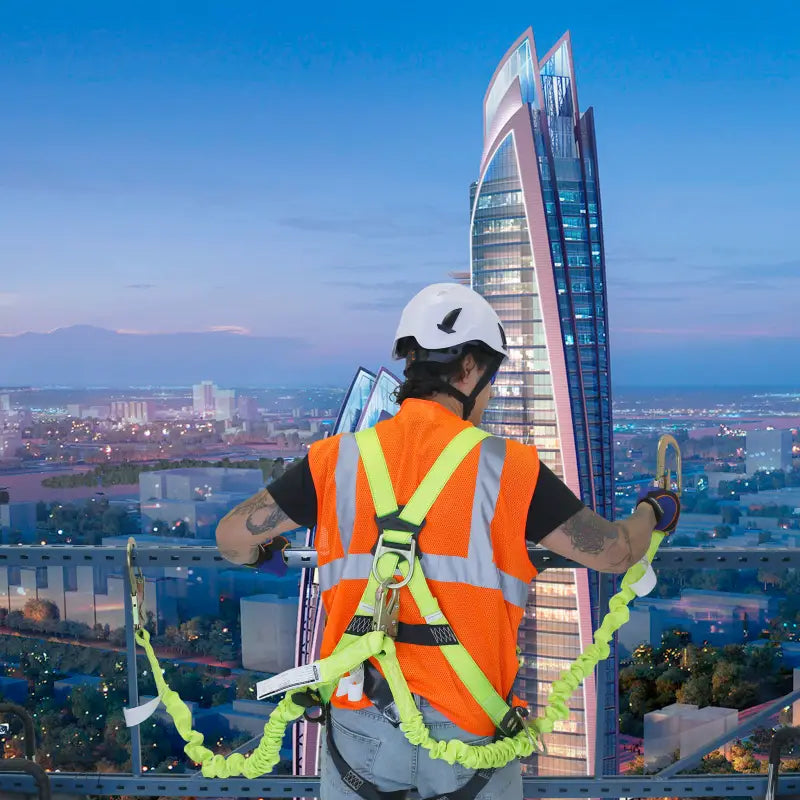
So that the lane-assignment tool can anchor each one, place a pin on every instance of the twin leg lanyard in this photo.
(396, 551)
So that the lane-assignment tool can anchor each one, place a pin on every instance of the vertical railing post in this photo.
(133, 677)
(605, 585)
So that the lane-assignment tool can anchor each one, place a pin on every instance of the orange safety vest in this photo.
(474, 552)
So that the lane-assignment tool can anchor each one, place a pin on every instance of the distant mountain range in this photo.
(83, 355)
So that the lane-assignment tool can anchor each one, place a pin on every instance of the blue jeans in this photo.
(381, 754)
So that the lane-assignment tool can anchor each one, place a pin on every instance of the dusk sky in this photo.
(301, 169)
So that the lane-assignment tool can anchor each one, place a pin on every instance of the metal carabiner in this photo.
(136, 586)
(664, 475)
(387, 608)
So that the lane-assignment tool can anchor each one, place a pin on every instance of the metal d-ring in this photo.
(408, 555)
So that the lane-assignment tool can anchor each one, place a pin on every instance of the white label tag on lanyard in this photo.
(647, 582)
(136, 716)
(352, 685)
(291, 679)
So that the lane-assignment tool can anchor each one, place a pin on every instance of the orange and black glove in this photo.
(665, 505)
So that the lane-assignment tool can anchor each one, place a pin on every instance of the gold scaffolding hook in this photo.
(664, 475)
(136, 585)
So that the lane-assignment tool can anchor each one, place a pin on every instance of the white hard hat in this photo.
(445, 316)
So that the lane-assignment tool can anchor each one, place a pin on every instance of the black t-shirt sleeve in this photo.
(552, 504)
(295, 494)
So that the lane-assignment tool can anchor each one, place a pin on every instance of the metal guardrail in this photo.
(288, 786)
(303, 557)
(107, 784)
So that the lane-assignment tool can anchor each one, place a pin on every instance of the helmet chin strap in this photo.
(468, 401)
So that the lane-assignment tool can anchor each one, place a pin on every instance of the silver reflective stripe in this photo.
(487, 489)
(346, 472)
(455, 569)
(514, 590)
(356, 566)
(484, 505)
(477, 569)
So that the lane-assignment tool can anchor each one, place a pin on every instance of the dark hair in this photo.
(424, 378)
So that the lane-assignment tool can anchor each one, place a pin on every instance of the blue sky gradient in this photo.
(301, 169)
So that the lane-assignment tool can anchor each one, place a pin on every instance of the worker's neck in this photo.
(449, 402)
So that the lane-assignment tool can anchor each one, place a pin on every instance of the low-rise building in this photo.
(679, 730)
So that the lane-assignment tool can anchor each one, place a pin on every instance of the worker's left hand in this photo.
(270, 557)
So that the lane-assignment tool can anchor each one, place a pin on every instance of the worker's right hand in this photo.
(670, 507)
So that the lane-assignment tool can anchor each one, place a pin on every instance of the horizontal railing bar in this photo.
(287, 786)
(149, 555)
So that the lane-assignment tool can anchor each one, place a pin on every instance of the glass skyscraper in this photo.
(537, 255)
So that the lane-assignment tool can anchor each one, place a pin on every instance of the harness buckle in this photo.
(387, 608)
(404, 551)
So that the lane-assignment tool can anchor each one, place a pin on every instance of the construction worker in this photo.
(472, 546)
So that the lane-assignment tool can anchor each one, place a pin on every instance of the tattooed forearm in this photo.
(258, 505)
(589, 533)
(274, 517)
(626, 557)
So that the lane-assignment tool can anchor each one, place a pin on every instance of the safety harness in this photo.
(372, 633)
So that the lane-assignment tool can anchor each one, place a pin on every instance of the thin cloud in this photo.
(708, 333)
(381, 304)
(8, 299)
(141, 286)
(386, 295)
(402, 286)
(372, 227)
(367, 269)
(237, 329)
(633, 258)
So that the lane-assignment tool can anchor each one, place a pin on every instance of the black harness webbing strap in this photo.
(408, 633)
(366, 789)
(361, 786)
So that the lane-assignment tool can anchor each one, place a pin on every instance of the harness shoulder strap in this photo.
(396, 543)
(380, 484)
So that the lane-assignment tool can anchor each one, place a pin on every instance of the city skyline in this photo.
(164, 180)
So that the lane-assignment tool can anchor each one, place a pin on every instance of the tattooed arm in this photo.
(251, 523)
(605, 546)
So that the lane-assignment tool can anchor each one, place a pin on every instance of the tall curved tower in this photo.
(536, 248)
